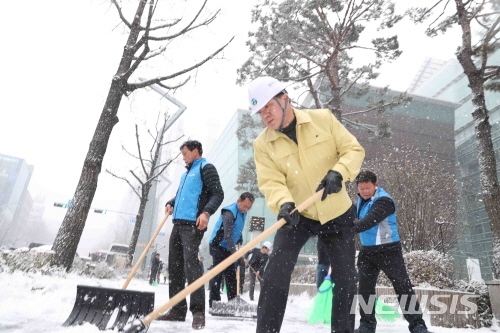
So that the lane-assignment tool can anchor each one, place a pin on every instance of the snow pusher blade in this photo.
(235, 307)
(142, 324)
(109, 308)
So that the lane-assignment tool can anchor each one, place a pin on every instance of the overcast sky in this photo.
(57, 61)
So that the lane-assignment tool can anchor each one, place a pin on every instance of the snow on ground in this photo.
(38, 303)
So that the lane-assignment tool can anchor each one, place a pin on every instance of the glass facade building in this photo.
(451, 84)
(15, 201)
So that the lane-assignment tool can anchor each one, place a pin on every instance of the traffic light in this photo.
(58, 204)
(257, 223)
(100, 211)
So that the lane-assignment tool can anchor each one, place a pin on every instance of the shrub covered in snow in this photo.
(25, 261)
(11, 261)
(433, 269)
(304, 274)
(98, 270)
(427, 268)
(483, 301)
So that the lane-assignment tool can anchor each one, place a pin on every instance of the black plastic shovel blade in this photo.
(109, 308)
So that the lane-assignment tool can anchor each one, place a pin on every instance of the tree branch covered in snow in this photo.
(297, 41)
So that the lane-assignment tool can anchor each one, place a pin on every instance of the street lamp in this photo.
(440, 225)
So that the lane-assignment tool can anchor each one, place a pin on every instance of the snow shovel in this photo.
(141, 325)
(109, 308)
(321, 311)
(235, 307)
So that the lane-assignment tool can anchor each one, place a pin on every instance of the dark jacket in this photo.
(258, 260)
(211, 196)
(155, 264)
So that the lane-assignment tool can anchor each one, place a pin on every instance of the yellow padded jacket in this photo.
(287, 172)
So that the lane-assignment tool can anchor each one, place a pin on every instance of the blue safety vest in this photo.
(239, 223)
(384, 232)
(189, 191)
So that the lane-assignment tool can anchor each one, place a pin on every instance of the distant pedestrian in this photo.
(256, 264)
(160, 269)
(155, 268)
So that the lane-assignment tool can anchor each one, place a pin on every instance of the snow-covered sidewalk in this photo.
(37, 303)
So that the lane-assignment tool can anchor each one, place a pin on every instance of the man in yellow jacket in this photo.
(301, 152)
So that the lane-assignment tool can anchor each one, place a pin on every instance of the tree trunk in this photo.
(138, 224)
(488, 174)
(70, 232)
(332, 72)
(487, 161)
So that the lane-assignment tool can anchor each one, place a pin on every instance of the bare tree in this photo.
(149, 170)
(483, 17)
(148, 38)
(312, 42)
(425, 194)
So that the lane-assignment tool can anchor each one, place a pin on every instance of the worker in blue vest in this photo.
(381, 250)
(227, 232)
(199, 195)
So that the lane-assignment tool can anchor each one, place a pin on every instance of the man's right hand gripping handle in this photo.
(290, 218)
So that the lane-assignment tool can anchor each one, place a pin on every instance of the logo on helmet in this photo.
(254, 101)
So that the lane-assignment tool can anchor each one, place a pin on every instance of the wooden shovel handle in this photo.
(145, 252)
(254, 272)
(224, 264)
(238, 281)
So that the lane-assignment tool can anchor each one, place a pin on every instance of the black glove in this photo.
(332, 183)
(291, 219)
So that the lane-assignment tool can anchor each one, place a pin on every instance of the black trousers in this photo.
(391, 262)
(338, 238)
(242, 278)
(184, 265)
(219, 254)
(154, 275)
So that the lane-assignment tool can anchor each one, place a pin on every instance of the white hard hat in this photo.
(261, 90)
(269, 245)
